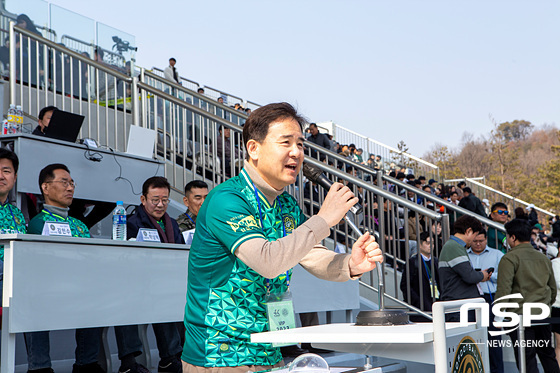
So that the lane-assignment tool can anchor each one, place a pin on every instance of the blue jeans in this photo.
(167, 338)
(38, 348)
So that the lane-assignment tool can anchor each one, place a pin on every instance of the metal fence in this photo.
(210, 92)
(392, 159)
(43, 73)
(483, 191)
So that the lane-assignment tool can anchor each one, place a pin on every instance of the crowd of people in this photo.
(483, 261)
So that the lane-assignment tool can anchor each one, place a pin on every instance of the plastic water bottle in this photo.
(19, 119)
(119, 222)
(7, 129)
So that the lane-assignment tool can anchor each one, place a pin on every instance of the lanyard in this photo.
(427, 270)
(489, 292)
(57, 217)
(262, 226)
(187, 213)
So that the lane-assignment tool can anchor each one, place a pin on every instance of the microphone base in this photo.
(382, 318)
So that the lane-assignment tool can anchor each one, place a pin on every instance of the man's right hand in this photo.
(486, 275)
(338, 201)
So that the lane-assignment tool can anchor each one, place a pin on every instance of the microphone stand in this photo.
(382, 316)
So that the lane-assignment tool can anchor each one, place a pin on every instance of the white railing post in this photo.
(12, 64)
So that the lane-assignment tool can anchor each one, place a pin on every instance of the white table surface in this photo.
(350, 333)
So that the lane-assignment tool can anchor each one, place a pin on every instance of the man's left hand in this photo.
(365, 253)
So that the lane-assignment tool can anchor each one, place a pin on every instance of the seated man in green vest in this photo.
(11, 218)
(249, 234)
(57, 188)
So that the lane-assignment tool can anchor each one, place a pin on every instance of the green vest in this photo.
(36, 224)
(11, 221)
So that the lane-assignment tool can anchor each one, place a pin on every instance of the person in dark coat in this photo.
(152, 214)
(471, 202)
(421, 296)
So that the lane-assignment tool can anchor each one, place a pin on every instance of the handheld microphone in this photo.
(315, 174)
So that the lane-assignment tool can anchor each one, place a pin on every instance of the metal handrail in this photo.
(505, 195)
(186, 105)
(446, 204)
(62, 48)
(224, 93)
(182, 78)
(74, 54)
(402, 185)
(333, 155)
(391, 148)
(375, 189)
(253, 103)
(194, 94)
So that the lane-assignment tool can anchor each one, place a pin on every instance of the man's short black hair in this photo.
(400, 175)
(422, 178)
(313, 124)
(498, 205)
(172, 59)
(45, 110)
(417, 182)
(519, 228)
(256, 126)
(47, 173)
(454, 192)
(10, 155)
(465, 222)
(483, 231)
(155, 182)
(424, 236)
(195, 184)
(410, 177)
(461, 183)
(467, 190)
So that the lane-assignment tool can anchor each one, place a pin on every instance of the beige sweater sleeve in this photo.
(327, 265)
(271, 258)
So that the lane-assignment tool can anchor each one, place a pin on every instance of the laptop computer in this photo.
(64, 126)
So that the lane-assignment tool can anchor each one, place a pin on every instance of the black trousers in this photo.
(495, 354)
(537, 334)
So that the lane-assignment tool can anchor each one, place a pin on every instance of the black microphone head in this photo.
(312, 172)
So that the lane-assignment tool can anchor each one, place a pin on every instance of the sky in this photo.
(420, 71)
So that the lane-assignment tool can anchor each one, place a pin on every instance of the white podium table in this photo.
(413, 342)
(429, 343)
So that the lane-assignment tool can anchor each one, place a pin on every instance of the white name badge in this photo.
(188, 236)
(148, 235)
(56, 228)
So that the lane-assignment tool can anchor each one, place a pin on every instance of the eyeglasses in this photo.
(65, 183)
(156, 202)
(501, 212)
